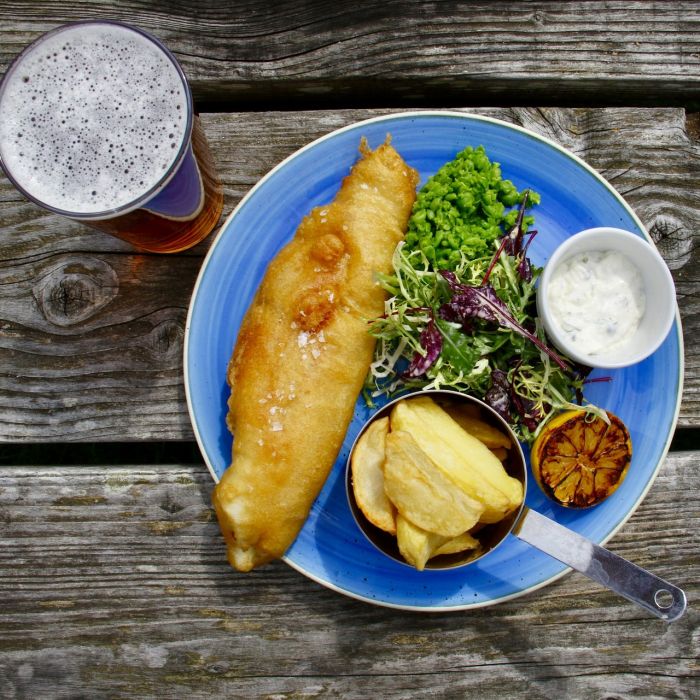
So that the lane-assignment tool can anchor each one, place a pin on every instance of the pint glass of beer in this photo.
(97, 124)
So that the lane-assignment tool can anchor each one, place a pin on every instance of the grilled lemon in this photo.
(579, 459)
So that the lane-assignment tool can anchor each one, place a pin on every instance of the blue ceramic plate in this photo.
(330, 549)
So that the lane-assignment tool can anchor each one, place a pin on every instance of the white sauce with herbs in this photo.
(597, 299)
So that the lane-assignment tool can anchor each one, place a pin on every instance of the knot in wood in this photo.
(673, 239)
(166, 340)
(538, 17)
(76, 289)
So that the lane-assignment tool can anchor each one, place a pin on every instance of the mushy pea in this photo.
(462, 209)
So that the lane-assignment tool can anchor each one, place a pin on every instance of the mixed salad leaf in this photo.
(472, 326)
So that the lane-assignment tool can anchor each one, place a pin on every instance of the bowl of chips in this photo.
(435, 479)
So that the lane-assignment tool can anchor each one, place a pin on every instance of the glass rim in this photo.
(172, 169)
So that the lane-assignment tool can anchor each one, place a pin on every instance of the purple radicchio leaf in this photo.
(503, 398)
(498, 395)
(504, 240)
(524, 267)
(512, 243)
(530, 416)
(525, 408)
(431, 341)
(455, 284)
(477, 302)
(450, 312)
(483, 302)
(514, 237)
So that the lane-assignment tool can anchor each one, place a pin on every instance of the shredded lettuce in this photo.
(495, 362)
(461, 308)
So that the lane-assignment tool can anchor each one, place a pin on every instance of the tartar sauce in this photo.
(597, 299)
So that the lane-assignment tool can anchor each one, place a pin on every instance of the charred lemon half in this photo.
(579, 460)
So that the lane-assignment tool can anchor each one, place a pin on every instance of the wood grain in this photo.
(113, 579)
(400, 52)
(114, 584)
(91, 333)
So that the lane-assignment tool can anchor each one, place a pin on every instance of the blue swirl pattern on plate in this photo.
(330, 549)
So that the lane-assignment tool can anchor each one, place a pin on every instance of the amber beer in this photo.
(97, 124)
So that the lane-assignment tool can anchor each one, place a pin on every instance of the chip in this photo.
(368, 477)
(461, 543)
(422, 492)
(492, 437)
(415, 544)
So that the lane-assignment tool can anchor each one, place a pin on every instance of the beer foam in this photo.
(91, 118)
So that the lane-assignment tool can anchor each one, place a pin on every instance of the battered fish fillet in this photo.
(302, 354)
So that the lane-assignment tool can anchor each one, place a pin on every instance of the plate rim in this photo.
(389, 116)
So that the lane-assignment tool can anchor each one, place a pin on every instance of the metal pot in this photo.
(612, 571)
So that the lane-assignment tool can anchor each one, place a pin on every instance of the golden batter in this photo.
(302, 354)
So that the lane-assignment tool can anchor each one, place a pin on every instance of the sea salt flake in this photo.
(276, 426)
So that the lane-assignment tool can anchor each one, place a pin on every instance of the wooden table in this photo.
(113, 581)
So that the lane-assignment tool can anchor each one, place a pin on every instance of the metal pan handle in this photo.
(619, 575)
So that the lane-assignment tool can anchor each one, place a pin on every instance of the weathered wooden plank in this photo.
(113, 583)
(406, 51)
(91, 333)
